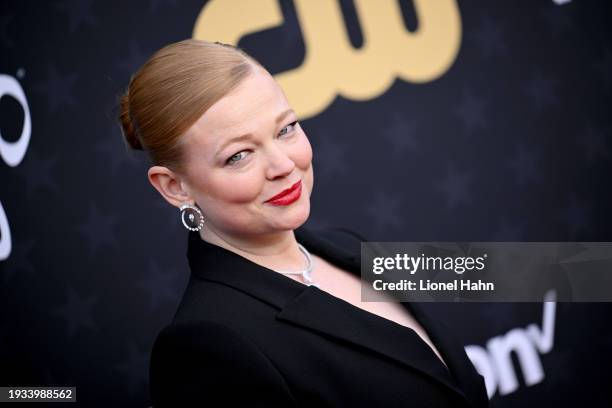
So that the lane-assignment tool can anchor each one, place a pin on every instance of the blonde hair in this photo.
(171, 90)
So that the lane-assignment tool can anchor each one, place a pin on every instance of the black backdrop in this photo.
(511, 142)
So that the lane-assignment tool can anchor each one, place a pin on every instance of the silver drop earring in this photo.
(192, 217)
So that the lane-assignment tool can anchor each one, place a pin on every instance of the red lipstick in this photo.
(288, 195)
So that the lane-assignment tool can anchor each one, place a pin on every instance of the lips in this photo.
(285, 192)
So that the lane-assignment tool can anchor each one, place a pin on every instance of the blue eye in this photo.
(230, 161)
(240, 155)
(292, 124)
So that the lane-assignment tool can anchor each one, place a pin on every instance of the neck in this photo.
(277, 250)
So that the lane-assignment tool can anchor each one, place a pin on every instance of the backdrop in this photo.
(430, 120)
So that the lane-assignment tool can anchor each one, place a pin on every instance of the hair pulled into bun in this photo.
(126, 123)
(173, 89)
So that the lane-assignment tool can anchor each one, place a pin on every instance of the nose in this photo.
(279, 163)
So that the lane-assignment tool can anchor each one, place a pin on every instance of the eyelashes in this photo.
(292, 124)
(231, 162)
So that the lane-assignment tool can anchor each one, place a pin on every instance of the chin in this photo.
(297, 218)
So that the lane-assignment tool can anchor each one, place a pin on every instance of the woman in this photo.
(272, 314)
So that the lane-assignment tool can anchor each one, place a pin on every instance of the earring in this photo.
(192, 217)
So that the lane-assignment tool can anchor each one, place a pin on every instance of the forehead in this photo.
(252, 106)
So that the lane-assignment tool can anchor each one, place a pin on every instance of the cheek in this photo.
(236, 188)
(302, 153)
(303, 160)
(223, 187)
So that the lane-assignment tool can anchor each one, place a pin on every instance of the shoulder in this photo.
(206, 361)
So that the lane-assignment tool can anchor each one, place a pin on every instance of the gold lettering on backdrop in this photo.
(332, 66)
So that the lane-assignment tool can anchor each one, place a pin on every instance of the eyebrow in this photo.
(240, 138)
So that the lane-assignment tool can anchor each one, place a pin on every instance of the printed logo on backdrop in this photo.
(494, 360)
(12, 153)
(331, 65)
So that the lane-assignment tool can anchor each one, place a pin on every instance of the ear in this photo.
(170, 185)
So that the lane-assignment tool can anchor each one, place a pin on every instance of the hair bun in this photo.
(126, 124)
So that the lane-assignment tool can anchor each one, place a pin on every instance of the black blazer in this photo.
(244, 335)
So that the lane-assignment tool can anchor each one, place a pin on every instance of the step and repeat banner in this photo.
(430, 120)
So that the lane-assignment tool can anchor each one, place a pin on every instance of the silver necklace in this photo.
(306, 273)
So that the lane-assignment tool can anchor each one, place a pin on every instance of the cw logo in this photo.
(12, 152)
(332, 66)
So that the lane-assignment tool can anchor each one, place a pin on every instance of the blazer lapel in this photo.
(320, 311)
(454, 354)
(317, 310)
(349, 258)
